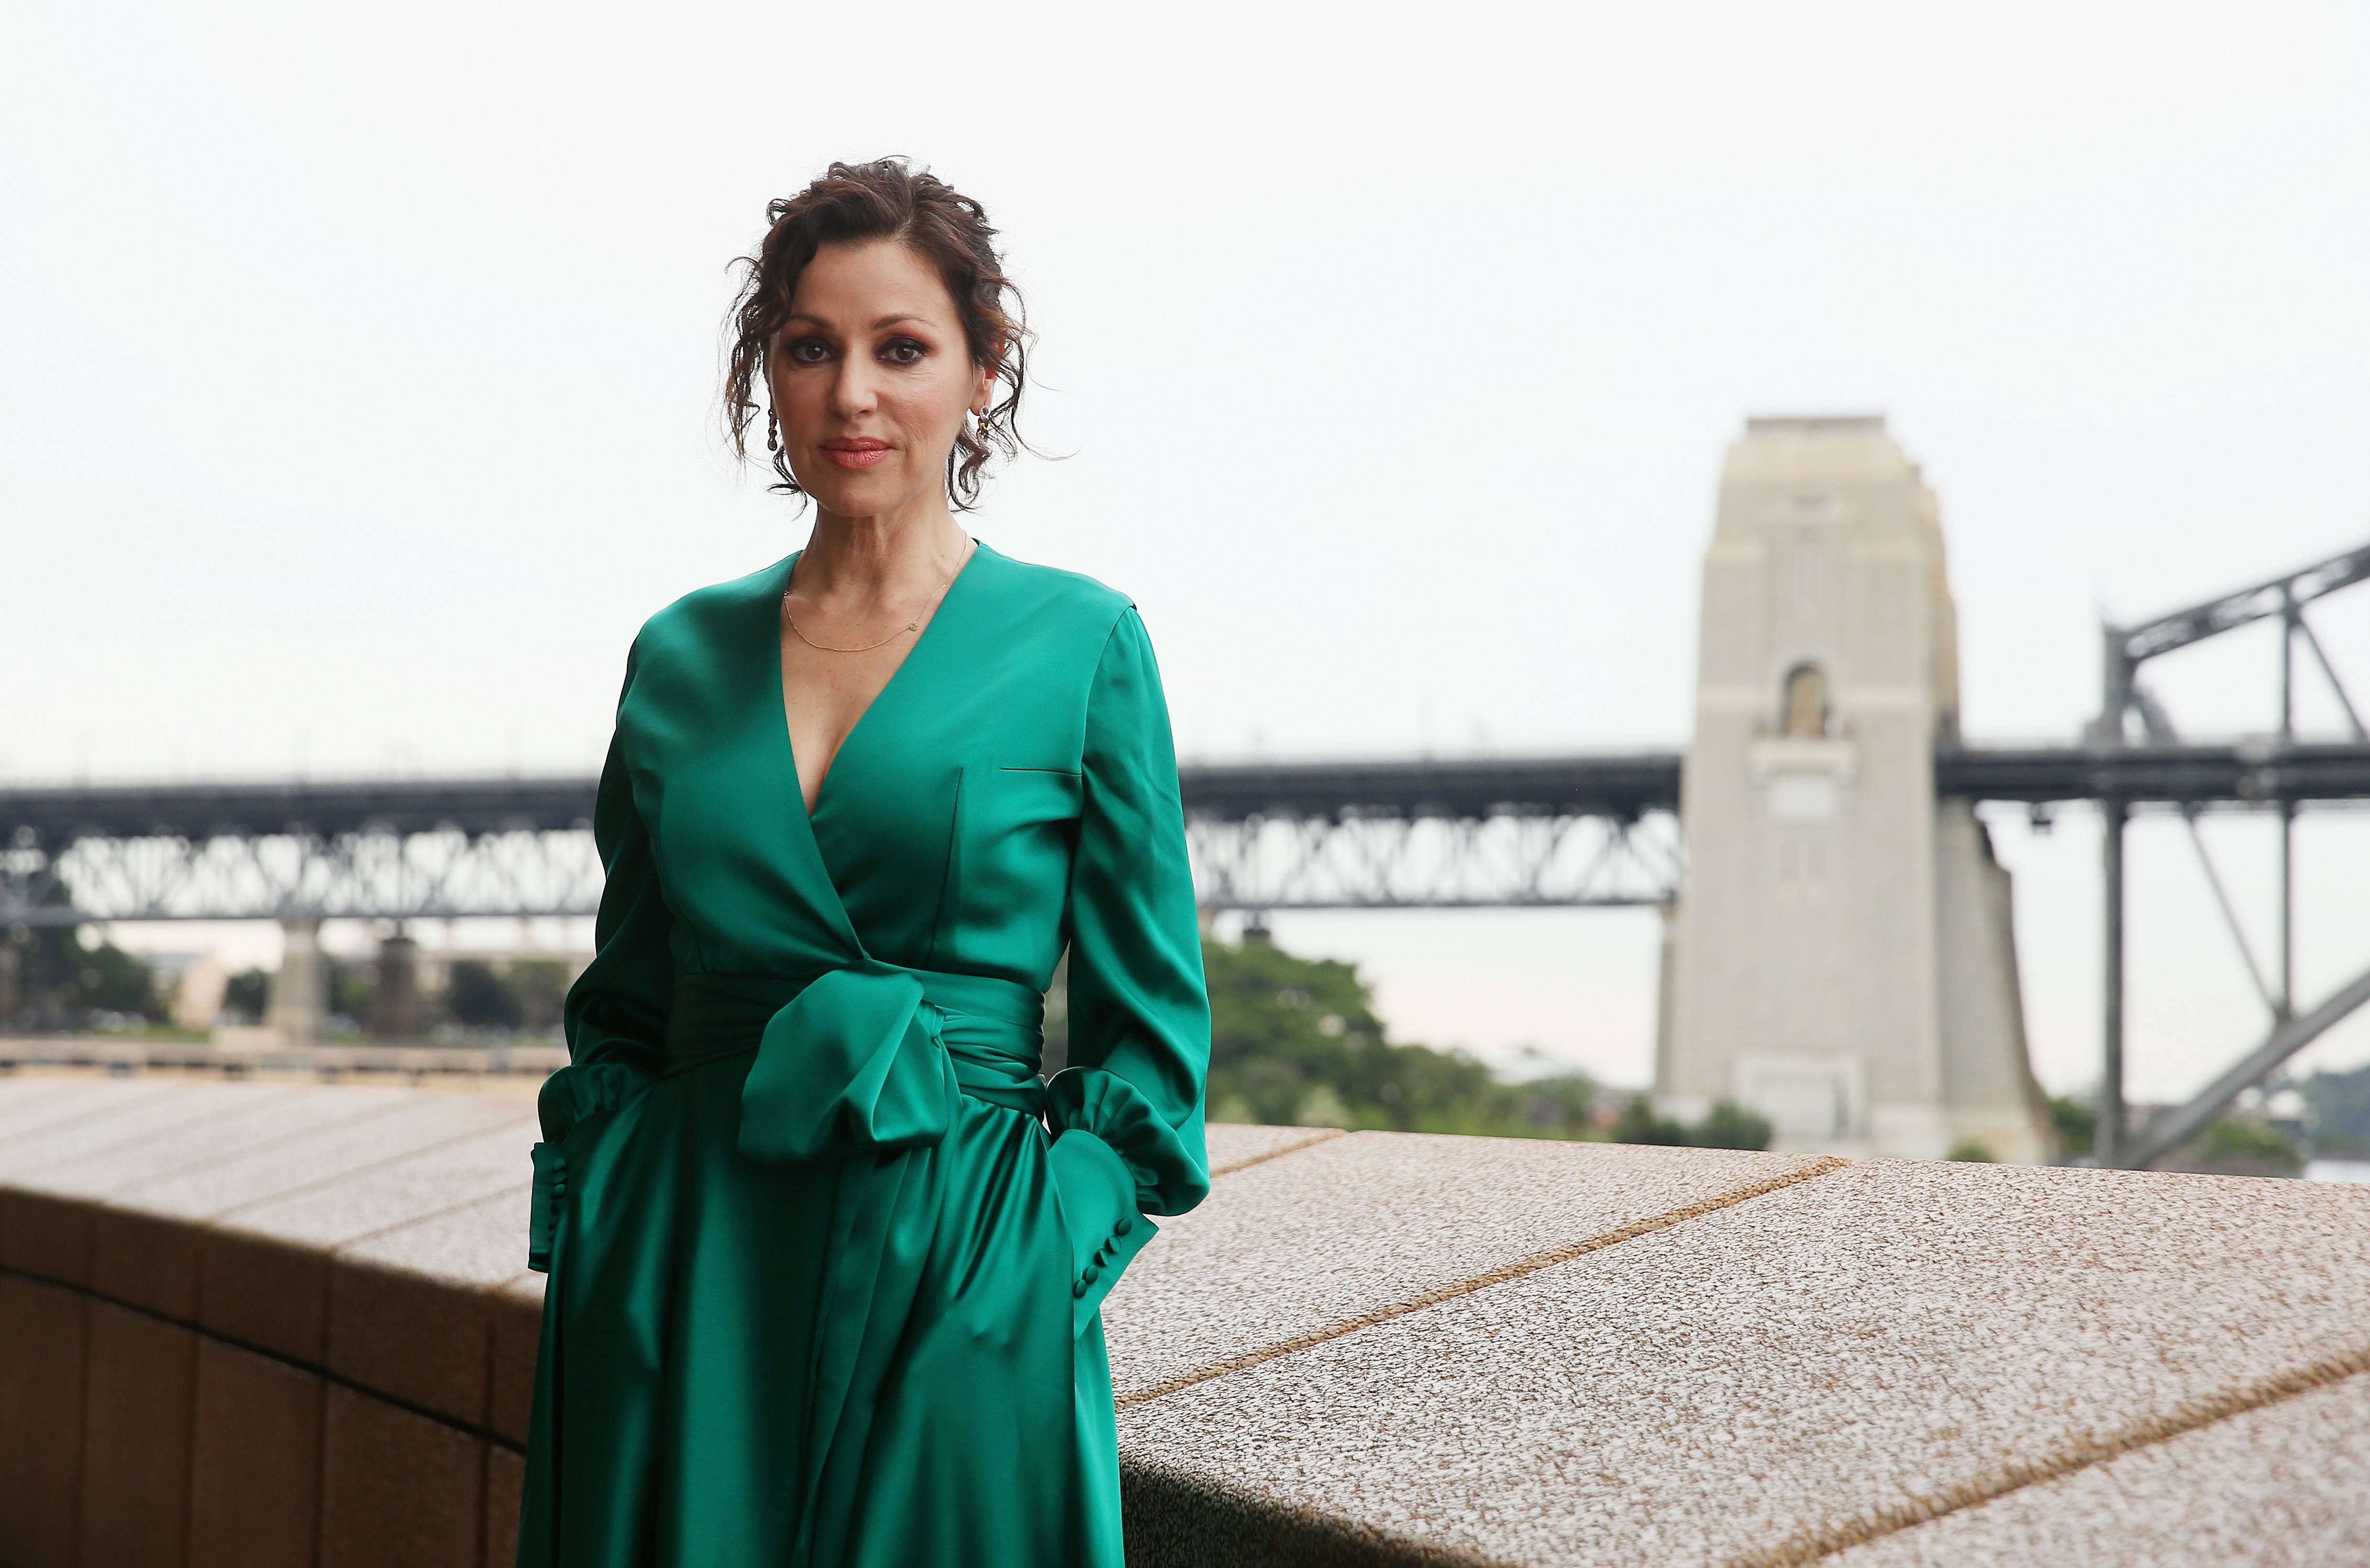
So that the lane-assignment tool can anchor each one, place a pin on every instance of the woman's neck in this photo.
(862, 559)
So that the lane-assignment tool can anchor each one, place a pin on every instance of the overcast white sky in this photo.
(360, 380)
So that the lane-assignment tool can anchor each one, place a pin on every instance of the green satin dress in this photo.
(825, 1251)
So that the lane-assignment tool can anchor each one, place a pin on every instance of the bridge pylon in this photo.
(1841, 958)
(299, 1001)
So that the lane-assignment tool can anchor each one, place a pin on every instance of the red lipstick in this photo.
(855, 451)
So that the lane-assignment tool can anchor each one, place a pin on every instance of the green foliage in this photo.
(1295, 1042)
(1321, 1107)
(65, 983)
(2076, 1122)
(1563, 1105)
(60, 983)
(246, 995)
(2236, 1146)
(1638, 1124)
(540, 985)
(1730, 1126)
(2239, 1146)
(2341, 1109)
(1726, 1126)
(477, 997)
(1973, 1151)
(106, 978)
(352, 988)
(524, 994)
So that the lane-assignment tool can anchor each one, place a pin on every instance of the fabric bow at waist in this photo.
(860, 1059)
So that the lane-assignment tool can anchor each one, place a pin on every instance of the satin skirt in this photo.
(860, 1362)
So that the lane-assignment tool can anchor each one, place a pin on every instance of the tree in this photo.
(540, 987)
(2077, 1123)
(1730, 1126)
(1563, 1105)
(2233, 1145)
(477, 997)
(60, 983)
(1295, 1042)
(246, 995)
(1726, 1126)
(2341, 1109)
(108, 980)
(352, 989)
(2239, 1146)
(67, 982)
(1638, 1124)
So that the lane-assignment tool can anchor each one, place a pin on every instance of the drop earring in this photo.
(773, 434)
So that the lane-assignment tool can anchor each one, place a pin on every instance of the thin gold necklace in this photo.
(792, 622)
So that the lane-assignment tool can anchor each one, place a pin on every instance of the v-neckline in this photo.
(782, 697)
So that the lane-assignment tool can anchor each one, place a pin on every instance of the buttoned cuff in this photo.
(1169, 1174)
(549, 1198)
(1095, 1194)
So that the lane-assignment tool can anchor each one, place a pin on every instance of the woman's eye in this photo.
(808, 351)
(902, 351)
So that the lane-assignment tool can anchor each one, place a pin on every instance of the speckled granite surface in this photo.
(1823, 1365)
(1362, 1226)
(1234, 1147)
(2285, 1485)
(1370, 1348)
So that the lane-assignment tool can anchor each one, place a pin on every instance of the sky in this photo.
(362, 361)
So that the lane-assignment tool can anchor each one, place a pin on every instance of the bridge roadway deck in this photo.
(1621, 785)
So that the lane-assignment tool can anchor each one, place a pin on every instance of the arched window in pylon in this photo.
(1805, 710)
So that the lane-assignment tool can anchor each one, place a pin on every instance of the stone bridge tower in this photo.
(1841, 959)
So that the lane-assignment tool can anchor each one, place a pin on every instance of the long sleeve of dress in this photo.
(617, 1011)
(1139, 1010)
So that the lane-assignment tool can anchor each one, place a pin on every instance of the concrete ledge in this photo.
(253, 1323)
(1361, 1229)
(287, 1323)
(2289, 1482)
(388, 1059)
(1838, 1360)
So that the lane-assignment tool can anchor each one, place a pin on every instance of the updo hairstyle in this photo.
(884, 200)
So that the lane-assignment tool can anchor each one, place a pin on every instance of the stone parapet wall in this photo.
(290, 1323)
(261, 1324)
(370, 1061)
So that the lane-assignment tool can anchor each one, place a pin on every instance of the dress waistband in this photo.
(867, 1056)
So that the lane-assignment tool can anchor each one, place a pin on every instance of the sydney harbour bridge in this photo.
(1577, 830)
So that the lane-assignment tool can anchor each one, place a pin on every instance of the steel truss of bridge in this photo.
(1480, 832)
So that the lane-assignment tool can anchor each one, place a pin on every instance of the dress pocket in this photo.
(1033, 796)
(1015, 828)
(1096, 1197)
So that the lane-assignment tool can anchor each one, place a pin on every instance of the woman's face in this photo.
(870, 378)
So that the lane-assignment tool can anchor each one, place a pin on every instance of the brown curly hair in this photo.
(886, 198)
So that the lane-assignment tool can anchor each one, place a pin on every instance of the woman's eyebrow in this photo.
(885, 321)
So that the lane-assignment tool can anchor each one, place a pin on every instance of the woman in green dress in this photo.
(825, 1251)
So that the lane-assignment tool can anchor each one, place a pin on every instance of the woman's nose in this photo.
(852, 390)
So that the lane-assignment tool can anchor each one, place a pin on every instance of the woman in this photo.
(825, 1253)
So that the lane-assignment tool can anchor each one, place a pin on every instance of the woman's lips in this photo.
(859, 454)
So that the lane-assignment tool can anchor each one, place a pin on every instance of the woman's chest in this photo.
(956, 793)
(950, 813)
